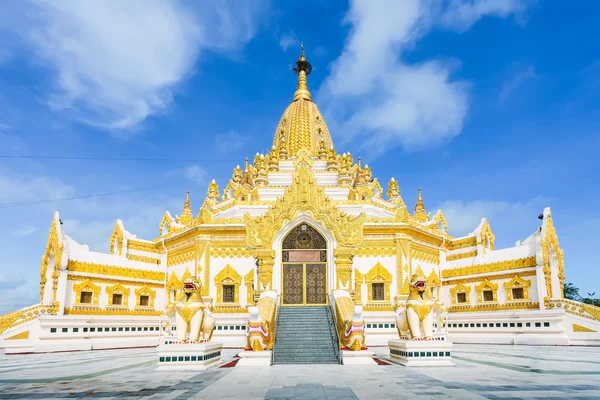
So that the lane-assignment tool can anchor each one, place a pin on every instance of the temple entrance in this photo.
(304, 267)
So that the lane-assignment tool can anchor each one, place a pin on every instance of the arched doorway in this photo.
(304, 267)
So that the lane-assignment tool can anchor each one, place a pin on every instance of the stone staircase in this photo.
(305, 335)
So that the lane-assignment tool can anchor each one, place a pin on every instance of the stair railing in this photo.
(274, 328)
(336, 336)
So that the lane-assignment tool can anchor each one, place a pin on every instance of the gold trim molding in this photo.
(93, 268)
(490, 267)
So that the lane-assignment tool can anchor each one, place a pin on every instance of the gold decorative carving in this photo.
(93, 268)
(116, 240)
(142, 246)
(359, 279)
(145, 291)
(550, 242)
(433, 280)
(380, 307)
(25, 335)
(490, 267)
(120, 289)
(227, 276)
(19, 317)
(86, 286)
(424, 253)
(174, 283)
(265, 261)
(304, 196)
(343, 265)
(222, 309)
(375, 249)
(494, 307)
(461, 288)
(109, 281)
(460, 256)
(232, 252)
(146, 259)
(182, 255)
(487, 237)
(487, 285)
(142, 312)
(576, 308)
(54, 247)
(479, 279)
(576, 328)
(249, 282)
(378, 274)
(469, 241)
(517, 282)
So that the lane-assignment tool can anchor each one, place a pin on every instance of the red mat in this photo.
(230, 364)
(381, 362)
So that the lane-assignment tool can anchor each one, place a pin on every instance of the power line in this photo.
(140, 189)
(115, 159)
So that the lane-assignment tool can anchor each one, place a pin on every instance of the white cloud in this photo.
(287, 40)
(389, 102)
(24, 231)
(118, 62)
(510, 221)
(519, 76)
(462, 14)
(15, 189)
(230, 141)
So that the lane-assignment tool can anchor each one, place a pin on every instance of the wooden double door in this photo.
(304, 267)
(304, 284)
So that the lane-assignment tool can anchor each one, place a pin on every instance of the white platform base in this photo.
(198, 357)
(361, 357)
(254, 359)
(416, 353)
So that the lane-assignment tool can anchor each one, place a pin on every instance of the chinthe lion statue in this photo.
(350, 322)
(415, 321)
(261, 322)
(193, 319)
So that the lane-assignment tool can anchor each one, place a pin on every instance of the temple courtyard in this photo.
(481, 372)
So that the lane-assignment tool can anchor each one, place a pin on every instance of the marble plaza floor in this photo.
(481, 372)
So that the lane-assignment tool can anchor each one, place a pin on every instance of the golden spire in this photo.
(420, 212)
(186, 213)
(302, 69)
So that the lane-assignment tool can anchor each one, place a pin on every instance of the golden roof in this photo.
(302, 126)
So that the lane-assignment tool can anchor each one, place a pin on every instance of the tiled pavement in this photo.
(482, 372)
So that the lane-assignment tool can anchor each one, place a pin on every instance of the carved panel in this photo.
(293, 290)
(316, 283)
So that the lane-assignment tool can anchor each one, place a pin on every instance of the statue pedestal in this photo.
(417, 353)
(186, 356)
(361, 357)
(254, 359)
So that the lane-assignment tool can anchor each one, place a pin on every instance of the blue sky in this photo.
(490, 106)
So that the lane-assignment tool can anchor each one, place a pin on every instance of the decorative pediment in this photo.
(517, 282)
(486, 236)
(378, 274)
(118, 288)
(54, 247)
(433, 280)
(187, 275)
(228, 275)
(145, 291)
(174, 283)
(249, 277)
(87, 286)
(486, 285)
(440, 222)
(419, 272)
(116, 239)
(166, 223)
(460, 288)
(550, 244)
(304, 196)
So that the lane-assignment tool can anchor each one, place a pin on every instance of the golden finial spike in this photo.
(420, 206)
(302, 68)
(187, 209)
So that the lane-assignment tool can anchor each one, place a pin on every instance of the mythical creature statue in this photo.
(415, 321)
(350, 322)
(192, 317)
(261, 322)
